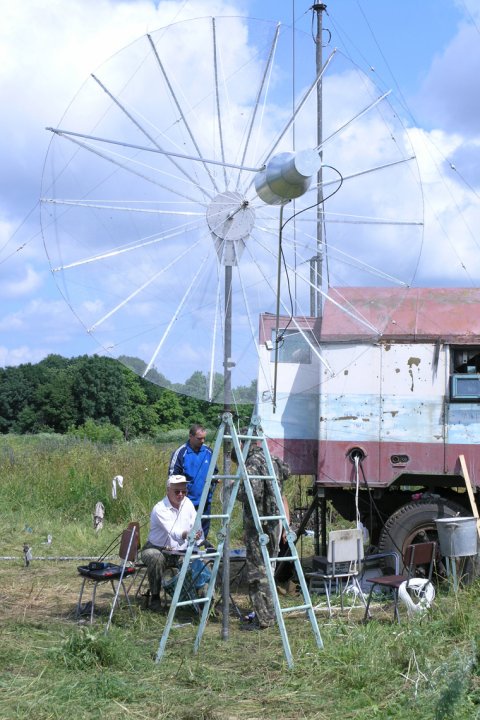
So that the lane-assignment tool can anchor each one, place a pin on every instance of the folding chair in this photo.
(421, 554)
(100, 572)
(198, 575)
(342, 565)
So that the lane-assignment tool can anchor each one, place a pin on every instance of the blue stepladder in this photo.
(227, 433)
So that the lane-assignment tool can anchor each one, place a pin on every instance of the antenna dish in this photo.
(162, 231)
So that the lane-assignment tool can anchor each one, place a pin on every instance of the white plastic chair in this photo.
(342, 565)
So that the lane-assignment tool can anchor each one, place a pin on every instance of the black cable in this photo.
(281, 335)
(380, 516)
(141, 524)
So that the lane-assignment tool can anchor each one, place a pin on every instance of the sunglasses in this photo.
(180, 492)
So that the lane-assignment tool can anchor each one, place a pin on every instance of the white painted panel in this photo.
(359, 369)
(296, 417)
(413, 393)
(411, 371)
(350, 417)
(350, 401)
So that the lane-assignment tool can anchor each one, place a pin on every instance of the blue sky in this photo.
(427, 53)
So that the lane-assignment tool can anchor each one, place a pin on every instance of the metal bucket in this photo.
(457, 536)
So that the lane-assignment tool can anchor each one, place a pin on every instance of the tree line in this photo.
(102, 398)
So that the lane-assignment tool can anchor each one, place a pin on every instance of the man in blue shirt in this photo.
(193, 460)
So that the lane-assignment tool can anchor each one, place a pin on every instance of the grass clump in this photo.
(84, 648)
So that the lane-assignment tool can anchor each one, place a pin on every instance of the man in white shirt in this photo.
(170, 523)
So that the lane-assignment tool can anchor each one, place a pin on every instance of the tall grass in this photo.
(50, 484)
(53, 668)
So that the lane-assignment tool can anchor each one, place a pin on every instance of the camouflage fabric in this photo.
(157, 563)
(258, 587)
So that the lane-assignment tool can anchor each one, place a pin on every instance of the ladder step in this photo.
(271, 517)
(285, 558)
(204, 555)
(222, 517)
(197, 601)
(297, 607)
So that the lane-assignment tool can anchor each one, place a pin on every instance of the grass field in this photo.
(53, 667)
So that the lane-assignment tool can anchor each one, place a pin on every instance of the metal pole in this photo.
(319, 8)
(227, 448)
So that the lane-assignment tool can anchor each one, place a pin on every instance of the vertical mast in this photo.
(227, 483)
(317, 269)
(317, 261)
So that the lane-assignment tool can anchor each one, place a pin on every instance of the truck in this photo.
(378, 400)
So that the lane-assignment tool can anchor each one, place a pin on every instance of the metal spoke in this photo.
(121, 208)
(217, 98)
(72, 138)
(354, 119)
(141, 288)
(119, 251)
(182, 115)
(140, 127)
(266, 73)
(175, 316)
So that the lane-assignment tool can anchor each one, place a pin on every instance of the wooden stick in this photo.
(471, 496)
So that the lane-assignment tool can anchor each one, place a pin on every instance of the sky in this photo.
(427, 53)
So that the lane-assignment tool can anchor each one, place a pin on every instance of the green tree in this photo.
(140, 417)
(16, 388)
(99, 390)
(169, 411)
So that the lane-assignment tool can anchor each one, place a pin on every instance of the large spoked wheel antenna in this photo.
(161, 199)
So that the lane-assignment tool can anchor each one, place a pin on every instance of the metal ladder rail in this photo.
(227, 420)
(175, 602)
(270, 562)
(294, 557)
(222, 535)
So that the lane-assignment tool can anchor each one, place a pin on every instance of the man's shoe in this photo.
(155, 605)
(208, 546)
(253, 626)
(202, 591)
(248, 627)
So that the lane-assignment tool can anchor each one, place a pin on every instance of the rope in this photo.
(423, 594)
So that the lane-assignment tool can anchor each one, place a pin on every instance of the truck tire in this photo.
(415, 522)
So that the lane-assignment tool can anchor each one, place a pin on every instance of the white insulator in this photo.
(417, 594)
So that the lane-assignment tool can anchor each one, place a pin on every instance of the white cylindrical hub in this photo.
(287, 176)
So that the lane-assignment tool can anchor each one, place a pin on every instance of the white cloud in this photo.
(10, 356)
(449, 96)
(28, 282)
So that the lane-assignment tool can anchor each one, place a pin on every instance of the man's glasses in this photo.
(180, 492)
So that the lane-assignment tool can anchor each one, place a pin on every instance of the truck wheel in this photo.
(414, 523)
